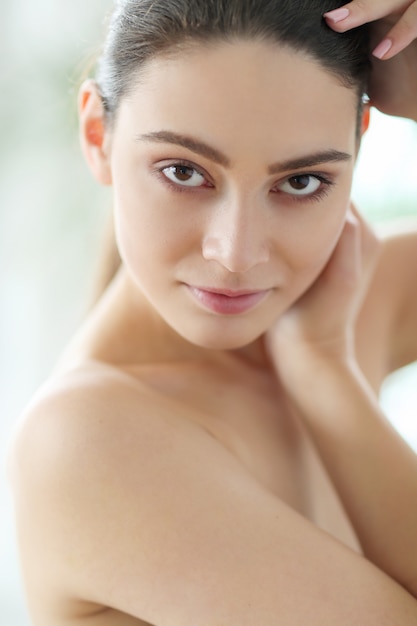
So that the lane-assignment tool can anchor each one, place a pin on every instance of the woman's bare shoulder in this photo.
(86, 432)
(76, 403)
(119, 505)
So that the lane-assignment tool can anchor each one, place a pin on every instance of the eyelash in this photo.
(322, 192)
(316, 196)
(178, 188)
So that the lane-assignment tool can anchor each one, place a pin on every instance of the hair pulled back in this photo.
(141, 29)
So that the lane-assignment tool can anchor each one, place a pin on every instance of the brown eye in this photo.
(183, 175)
(299, 183)
(302, 185)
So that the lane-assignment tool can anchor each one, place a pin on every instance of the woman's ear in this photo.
(366, 118)
(93, 134)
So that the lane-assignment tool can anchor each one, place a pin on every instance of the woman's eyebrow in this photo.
(199, 147)
(203, 149)
(309, 160)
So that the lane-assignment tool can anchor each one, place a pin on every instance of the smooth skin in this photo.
(185, 467)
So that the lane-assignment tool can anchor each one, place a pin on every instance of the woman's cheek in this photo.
(310, 246)
(149, 231)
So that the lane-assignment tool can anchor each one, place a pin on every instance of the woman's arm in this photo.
(123, 504)
(393, 90)
(372, 468)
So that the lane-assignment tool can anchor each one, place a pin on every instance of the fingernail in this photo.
(337, 15)
(382, 48)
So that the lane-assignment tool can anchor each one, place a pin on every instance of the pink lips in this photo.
(227, 302)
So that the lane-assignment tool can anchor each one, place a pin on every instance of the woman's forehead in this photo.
(243, 90)
(248, 58)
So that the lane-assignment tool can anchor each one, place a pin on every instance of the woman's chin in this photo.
(220, 340)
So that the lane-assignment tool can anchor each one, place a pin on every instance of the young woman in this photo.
(210, 449)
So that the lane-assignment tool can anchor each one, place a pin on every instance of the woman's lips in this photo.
(225, 301)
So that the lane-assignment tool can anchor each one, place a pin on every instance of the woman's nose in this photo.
(237, 238)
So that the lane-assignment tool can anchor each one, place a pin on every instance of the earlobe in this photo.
(93, 133)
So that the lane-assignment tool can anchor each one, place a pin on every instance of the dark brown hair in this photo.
(142, 29)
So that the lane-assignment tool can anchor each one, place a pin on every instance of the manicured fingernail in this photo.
(382, 48)
(337, 15)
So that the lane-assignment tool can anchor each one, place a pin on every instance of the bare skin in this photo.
(168, 472)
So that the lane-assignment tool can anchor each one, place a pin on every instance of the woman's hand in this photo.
(371, 467)
(393, 85)
(321, 323)
(399, 17)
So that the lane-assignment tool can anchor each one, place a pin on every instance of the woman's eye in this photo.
(183, 175)
(303, 185)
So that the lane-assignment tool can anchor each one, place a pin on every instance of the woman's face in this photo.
(231, 166)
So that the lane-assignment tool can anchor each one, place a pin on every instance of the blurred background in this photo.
(52, 218)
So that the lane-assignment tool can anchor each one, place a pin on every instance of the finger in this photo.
(360, 12)
(400, 36)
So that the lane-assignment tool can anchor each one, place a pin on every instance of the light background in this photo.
(52, 216)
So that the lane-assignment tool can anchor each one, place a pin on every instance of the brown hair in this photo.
(142, 29)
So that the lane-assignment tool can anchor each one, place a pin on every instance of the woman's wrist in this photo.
(297, 361)
(320, 381)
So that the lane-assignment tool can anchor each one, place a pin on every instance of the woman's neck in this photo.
(128, 329)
